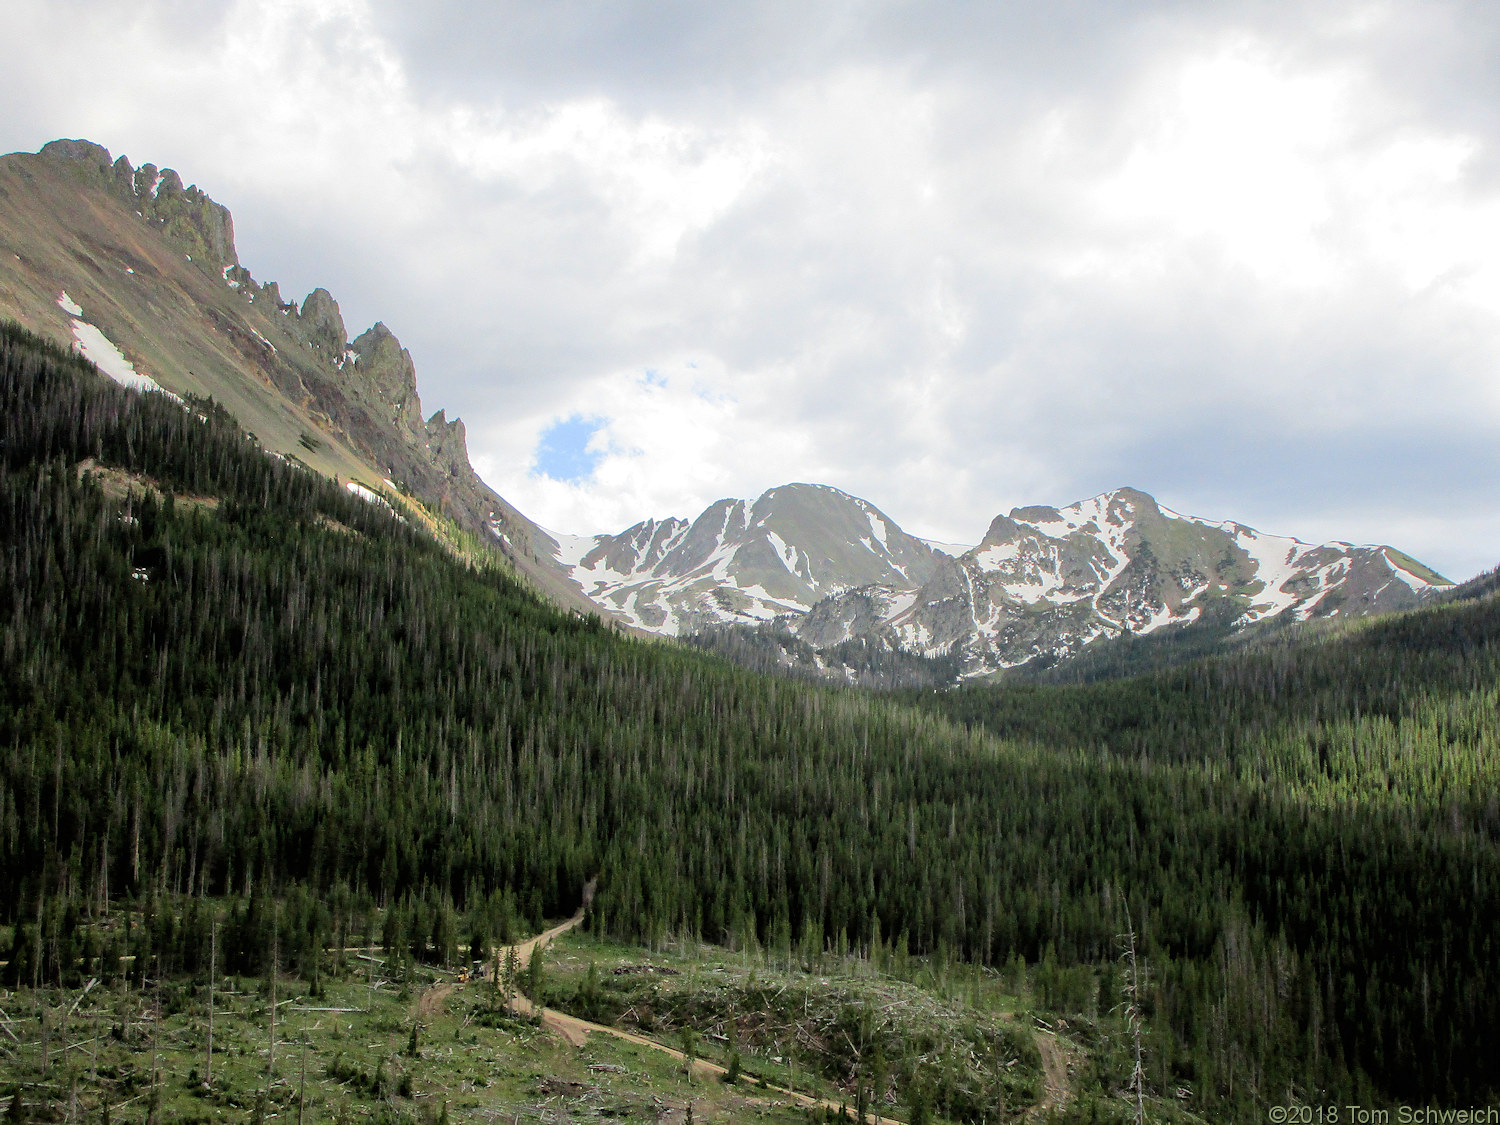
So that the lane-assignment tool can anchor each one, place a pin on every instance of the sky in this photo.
(950, 257)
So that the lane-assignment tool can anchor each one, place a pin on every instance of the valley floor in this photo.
(625, 1033)
(343, 1055)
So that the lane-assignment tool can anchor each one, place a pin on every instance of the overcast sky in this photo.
(950, 257)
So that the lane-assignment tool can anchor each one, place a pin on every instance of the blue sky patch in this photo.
(563, 452)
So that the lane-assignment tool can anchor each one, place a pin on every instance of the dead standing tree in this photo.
(1132, 990)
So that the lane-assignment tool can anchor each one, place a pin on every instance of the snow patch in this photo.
(917, 637)
(1042, 588)
(1164, 616)
(787, 554)
(572, 548)
(991, 558)
(769, 605)
(1275, 561)
(1327, 576)
(1052, 529)
(1416, 583)
(68, 305)
(898, 605)
(370, 496)
(98, 350)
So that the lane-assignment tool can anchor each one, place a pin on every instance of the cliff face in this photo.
(184, 215)
(152, 265)
(448, 444)
(318, 324)
(381, 371)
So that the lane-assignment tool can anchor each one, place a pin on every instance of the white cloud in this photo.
(670, 442)
(1234, 256)
(662, 179)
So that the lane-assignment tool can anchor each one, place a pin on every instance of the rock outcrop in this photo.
(448, 444)
(155, 264)
(383, 371)
(203, 229)
(320, 324)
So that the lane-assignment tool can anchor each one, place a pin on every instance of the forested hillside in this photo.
(1367, 755)
(236, 682)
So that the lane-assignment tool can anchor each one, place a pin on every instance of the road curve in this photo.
(576, 1031)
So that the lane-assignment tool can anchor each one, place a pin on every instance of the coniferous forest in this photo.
(235, 689)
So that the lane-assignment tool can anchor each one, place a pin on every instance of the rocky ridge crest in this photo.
(830, 569)
(155, 265)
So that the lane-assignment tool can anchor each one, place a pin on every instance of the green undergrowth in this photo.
(910, 1037)
(364, 1049)
(375, 1037)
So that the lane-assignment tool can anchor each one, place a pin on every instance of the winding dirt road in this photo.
(577, 1031)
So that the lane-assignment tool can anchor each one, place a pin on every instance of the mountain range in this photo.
(1041, 584)
(141, 274)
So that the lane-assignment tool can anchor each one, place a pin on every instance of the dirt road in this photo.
(432, 1000)
(523, 950)
(577, 1031)
(1054, 1074)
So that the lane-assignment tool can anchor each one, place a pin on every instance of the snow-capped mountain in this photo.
(746, 562)
(1043, 582)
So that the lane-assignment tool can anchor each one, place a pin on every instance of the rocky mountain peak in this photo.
(1034, 513)
(78, 151)
(203, 229)
(1006, 529)
(321, 325)
(746, 561)
(153, 262)
(448, 444)
(383, 368)
(1043, 583)
(1115, 508)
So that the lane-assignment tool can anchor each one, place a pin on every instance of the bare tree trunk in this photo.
(36, 952)
(275, 971)
(1133, 1019)
(213, 961)
(155, 1057)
